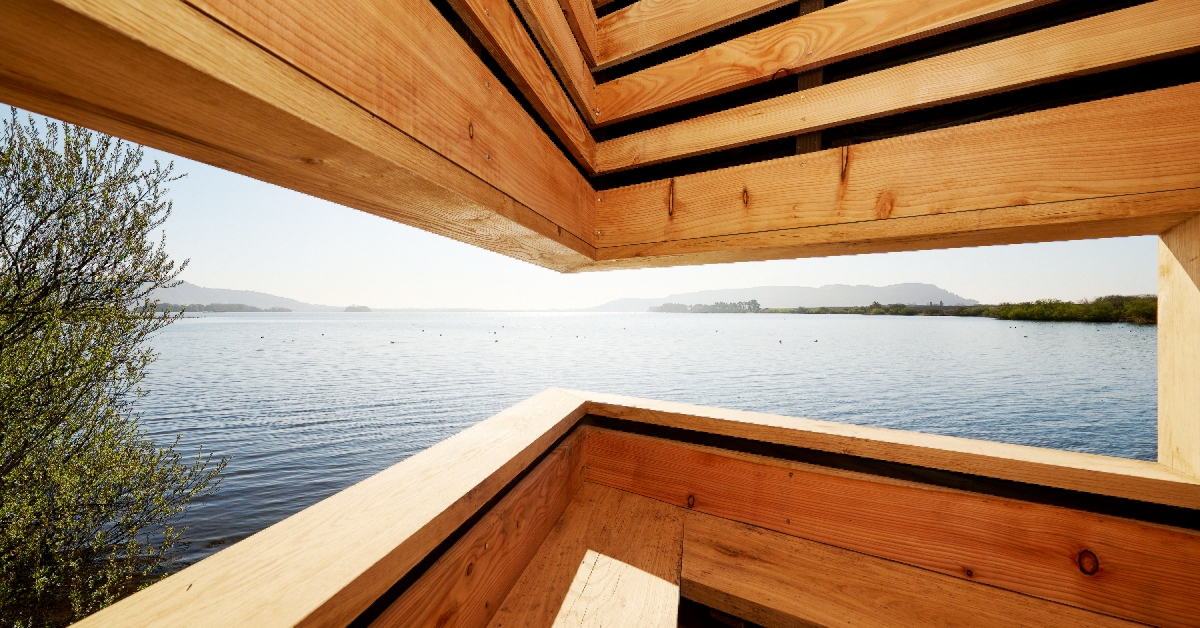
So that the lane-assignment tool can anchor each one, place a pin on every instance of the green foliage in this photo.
(1111, 309)
(88, 504)
(719, 307)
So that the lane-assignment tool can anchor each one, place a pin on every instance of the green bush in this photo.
(88, 505)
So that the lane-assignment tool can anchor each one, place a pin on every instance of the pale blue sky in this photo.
(245, 234)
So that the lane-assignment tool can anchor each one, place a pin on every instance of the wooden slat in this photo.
(545, 18)
(640, 533)
(403, 62)
(1128, 145)
(650, 25)
(326, 564)
(581, 16)
(781, 581)
(466, 585)
(1086, 473)
(1104, 217)
(496, 24)
(1179, 348)
(164, 75)
(1135, 35)
(1145, 571)
(845, 30)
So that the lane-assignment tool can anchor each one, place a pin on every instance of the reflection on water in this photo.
(308, 404)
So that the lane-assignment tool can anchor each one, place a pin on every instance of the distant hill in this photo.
(186, 293)
(796, 296)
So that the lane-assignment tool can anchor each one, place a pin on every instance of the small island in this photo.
(1139, 309)
(357, 308)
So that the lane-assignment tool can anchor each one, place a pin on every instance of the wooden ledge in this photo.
(1100, 475)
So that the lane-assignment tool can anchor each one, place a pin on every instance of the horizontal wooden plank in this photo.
(581, 16)
(845, 30)
(649, 25)
(497, 26)
(1144, 571)
(164, 75)
(1127, 145)
(1102, 217)
(465, 586)
(1088, 473)
(1138, 34)
(781, 581)
(403, 62)
(326, 564)
(623, 532)
(545, 18)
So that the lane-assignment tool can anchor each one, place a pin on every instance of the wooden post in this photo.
(1179, 347)
(809, 142)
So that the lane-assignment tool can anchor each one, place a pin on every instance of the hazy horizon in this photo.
(244, 234)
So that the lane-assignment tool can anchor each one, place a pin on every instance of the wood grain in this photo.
(781, 581)
(639, 532)
(1127, 145)
(845, 30)
(581, 17)
(545, 18)
(1112, 40)
(1145, 570)
(499, 28)
(649, 25)
(1101, 475)
(465, 586)
(607, 593)
(1179, 348)
(401, 61)
(164, 75)
(1103, 217)
(326, 564)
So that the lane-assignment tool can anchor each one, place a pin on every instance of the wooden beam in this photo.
(469, 581)
(620, 532)
(550, 28)
(649, 25)
(401, 61)
(581, 16)
(1179, 348)
(1087, 473)
(1135, 35)
(326, 564)
(165, 75)
(1133, 144)
(496, 24)
(781, 581)
(1144, 571)
(845, 30)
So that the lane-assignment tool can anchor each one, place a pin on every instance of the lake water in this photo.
(308, 404)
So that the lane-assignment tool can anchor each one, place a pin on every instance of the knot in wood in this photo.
(1089, 564)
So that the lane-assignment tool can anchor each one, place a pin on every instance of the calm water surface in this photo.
(308, 404)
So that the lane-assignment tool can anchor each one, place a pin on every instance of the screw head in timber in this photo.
(691, 501)
(1089, 564)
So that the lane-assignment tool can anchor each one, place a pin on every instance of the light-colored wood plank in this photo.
(326, 564)
(607, 593)
(581, 16)
(1179, 348)
(845, 30)
(164, 75)
(1103, 217)
(1134, 35)
(644, 534)
(465, 586)
(497, 26)
(649, 25)
(1088, 473)
(809, 142)
(1127, 145)
(545, 18)
(401, 60)
(781, 581)
(1145, 571)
